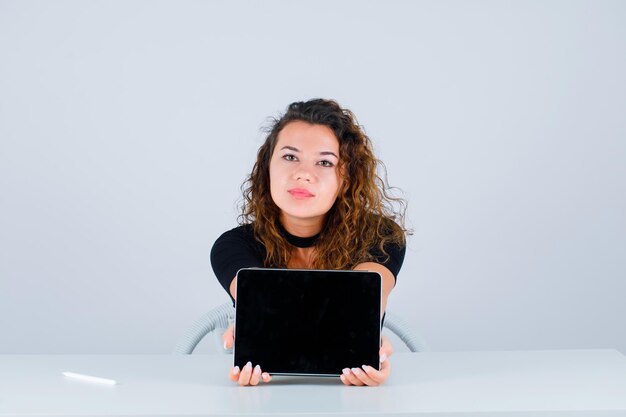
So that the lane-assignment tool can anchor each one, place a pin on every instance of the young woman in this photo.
(314, 200)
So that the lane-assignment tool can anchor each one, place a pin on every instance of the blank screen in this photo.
(307, 321)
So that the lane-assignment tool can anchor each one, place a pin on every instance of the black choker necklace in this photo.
(297, 241)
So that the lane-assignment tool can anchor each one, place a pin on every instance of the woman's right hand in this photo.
(247, 375)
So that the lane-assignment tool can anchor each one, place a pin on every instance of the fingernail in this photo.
(248, 366)
(225, 348)
(364, 366)
(343, 378)
(265, 375)
(383, 358)
(235, 370)
(257, 369)
(355, 370)
(346, 371)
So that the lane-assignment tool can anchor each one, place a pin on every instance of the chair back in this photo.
(221, 316)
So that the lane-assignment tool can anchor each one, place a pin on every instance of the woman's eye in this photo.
(289, 157)
(326, 164)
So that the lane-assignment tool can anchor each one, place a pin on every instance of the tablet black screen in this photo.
(307, 322)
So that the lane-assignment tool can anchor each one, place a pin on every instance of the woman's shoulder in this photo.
(244, 230)
(240, 234)
(389, 246)
(238, 240)
(235, 249)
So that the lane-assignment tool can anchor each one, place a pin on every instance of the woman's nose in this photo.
(303, 174)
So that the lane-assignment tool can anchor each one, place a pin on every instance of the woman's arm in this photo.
(233, 250)
(233, 289)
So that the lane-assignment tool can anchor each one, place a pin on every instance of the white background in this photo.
(127, 127)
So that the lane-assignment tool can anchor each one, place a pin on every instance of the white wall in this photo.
(126, 129)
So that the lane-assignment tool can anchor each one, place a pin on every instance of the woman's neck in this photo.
(301, 227)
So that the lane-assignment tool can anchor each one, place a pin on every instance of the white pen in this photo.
(90, 378)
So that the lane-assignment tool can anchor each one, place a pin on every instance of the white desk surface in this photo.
(443, 384)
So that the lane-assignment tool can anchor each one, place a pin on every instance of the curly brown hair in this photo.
(364, 214)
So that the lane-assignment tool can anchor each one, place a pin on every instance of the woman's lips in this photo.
(300, 193)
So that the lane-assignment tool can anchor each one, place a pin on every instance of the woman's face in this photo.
(304, 180)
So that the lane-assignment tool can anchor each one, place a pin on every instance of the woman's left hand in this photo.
(367, 375)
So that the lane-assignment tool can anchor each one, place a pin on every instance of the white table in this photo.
(509, 383)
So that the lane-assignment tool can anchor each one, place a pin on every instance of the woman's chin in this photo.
(302, 214)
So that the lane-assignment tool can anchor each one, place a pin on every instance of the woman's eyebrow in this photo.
(294, 149)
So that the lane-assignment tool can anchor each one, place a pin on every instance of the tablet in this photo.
(307, 322)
